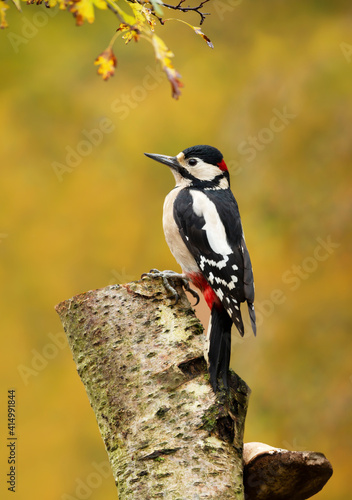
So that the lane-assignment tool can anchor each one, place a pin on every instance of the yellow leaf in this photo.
(142, 14)
(137, 9)
(161, 51)
(134, 26)
(18, 5)
(83, 10)
(199, 32)
(107, 63)
(63, 4)
(163, 54)
(131, 32)
(3, 8)
(100, 4)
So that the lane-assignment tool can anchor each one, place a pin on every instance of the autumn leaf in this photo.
(17, 4)
(3, 8)
(174, 78)
(142, 14)
(133, 27)
(83, 10)
(107, 63)
(163, 54)
(199, 32)
(131, 32)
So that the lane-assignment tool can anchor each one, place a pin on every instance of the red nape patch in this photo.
(222, 165)
(200, 282)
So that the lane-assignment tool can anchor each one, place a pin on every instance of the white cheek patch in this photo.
(204, 171)
(214, 228)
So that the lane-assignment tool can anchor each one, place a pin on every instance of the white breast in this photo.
(173, 237)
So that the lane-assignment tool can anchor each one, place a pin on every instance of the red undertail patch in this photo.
(200, 282)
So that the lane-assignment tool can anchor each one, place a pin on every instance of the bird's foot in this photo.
(168, 276)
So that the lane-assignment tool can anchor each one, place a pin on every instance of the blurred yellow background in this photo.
(275, 97)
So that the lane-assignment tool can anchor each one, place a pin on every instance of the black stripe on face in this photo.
(204, 184)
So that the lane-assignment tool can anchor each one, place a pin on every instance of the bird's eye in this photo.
(192, 162)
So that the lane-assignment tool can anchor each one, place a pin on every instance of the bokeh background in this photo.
(275, 97)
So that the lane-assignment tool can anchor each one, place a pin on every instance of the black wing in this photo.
(228, 270)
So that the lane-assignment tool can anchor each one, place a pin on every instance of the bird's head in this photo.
(197, 166)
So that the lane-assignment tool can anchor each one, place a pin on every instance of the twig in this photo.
(187, 9)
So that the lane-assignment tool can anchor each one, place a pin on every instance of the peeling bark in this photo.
(141, 361)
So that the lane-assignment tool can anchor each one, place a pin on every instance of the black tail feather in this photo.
(252, 316)
(219, 345)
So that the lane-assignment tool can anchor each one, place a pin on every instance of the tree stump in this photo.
(141, 361)
(140, 358)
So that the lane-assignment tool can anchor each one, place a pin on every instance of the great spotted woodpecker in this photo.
(203, 230)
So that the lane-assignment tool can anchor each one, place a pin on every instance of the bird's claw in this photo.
(168, 276)
(190, 290)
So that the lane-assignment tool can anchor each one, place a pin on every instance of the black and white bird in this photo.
(203, 230)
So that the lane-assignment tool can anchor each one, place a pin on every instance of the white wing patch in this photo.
(214, 228)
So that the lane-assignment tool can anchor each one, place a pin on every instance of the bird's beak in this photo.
(170, 161)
